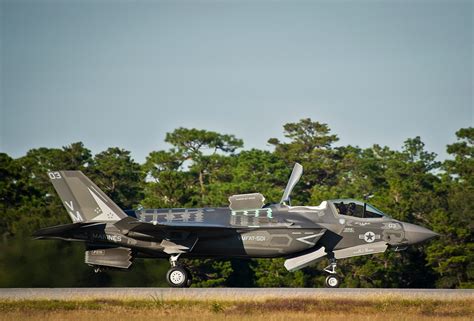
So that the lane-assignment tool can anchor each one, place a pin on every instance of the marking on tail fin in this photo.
(98, 194)
(70, 205)
(76, 217)
(54, 175)
(104, 212)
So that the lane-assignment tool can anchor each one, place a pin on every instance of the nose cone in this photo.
(417, 234)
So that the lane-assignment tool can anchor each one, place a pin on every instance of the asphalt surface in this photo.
(226, 293)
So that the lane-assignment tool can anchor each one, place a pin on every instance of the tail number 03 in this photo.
(54, 175)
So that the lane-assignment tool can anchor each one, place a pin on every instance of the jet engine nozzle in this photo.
(416, 234)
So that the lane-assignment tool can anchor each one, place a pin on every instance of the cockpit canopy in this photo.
(356, 208)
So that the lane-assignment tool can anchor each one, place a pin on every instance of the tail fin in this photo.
(83, 200)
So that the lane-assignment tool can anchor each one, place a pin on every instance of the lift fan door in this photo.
(246, 201)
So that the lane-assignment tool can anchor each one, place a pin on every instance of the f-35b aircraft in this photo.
(304, 235)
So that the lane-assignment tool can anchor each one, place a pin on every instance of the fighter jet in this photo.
(246, 228)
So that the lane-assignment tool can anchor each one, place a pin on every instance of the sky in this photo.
(124, 73)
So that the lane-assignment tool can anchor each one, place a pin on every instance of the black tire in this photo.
(332, 281)
(177, 277)
(190, 277)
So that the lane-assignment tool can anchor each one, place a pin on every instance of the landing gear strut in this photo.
(178, 276)
(332, 280)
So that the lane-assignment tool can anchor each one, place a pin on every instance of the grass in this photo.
(384, 308)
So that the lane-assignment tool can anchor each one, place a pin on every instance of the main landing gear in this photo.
(332, 280)
(178, 276)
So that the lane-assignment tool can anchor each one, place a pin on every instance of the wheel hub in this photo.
(177, 277)
(332, 281)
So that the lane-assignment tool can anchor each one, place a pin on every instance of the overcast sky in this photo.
(123, 73)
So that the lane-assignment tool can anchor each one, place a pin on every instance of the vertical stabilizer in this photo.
(83, 200)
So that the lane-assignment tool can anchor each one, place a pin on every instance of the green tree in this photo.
(203, 168)
(115, 172)
(193, 144)
(40, 206)
(452, 255)
(166, 184)
(310, 145)
(272, 273)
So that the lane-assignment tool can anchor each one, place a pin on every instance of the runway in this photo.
(231, 294)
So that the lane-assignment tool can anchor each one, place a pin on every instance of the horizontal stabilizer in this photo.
(59, 231)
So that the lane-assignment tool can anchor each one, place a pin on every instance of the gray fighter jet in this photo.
(304, 235)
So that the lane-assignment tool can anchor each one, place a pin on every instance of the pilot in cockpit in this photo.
(351, 209)
(341, 208)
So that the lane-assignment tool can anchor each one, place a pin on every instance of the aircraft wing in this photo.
(144, 227)
(129, 224)
(176, 237)
(179, 237)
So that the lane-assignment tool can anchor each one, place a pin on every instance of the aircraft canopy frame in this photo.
(356, 208)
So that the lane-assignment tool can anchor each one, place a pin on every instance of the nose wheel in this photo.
(178, 276)
(332, 280)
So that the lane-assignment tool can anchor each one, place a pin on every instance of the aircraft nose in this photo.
(417, 234)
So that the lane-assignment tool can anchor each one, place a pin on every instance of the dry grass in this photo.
(88, 315)
(331, 309)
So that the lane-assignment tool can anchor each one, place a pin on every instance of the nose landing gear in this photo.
(332, 280)
(178, 276)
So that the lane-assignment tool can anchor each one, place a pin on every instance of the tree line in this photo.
(203, 168)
